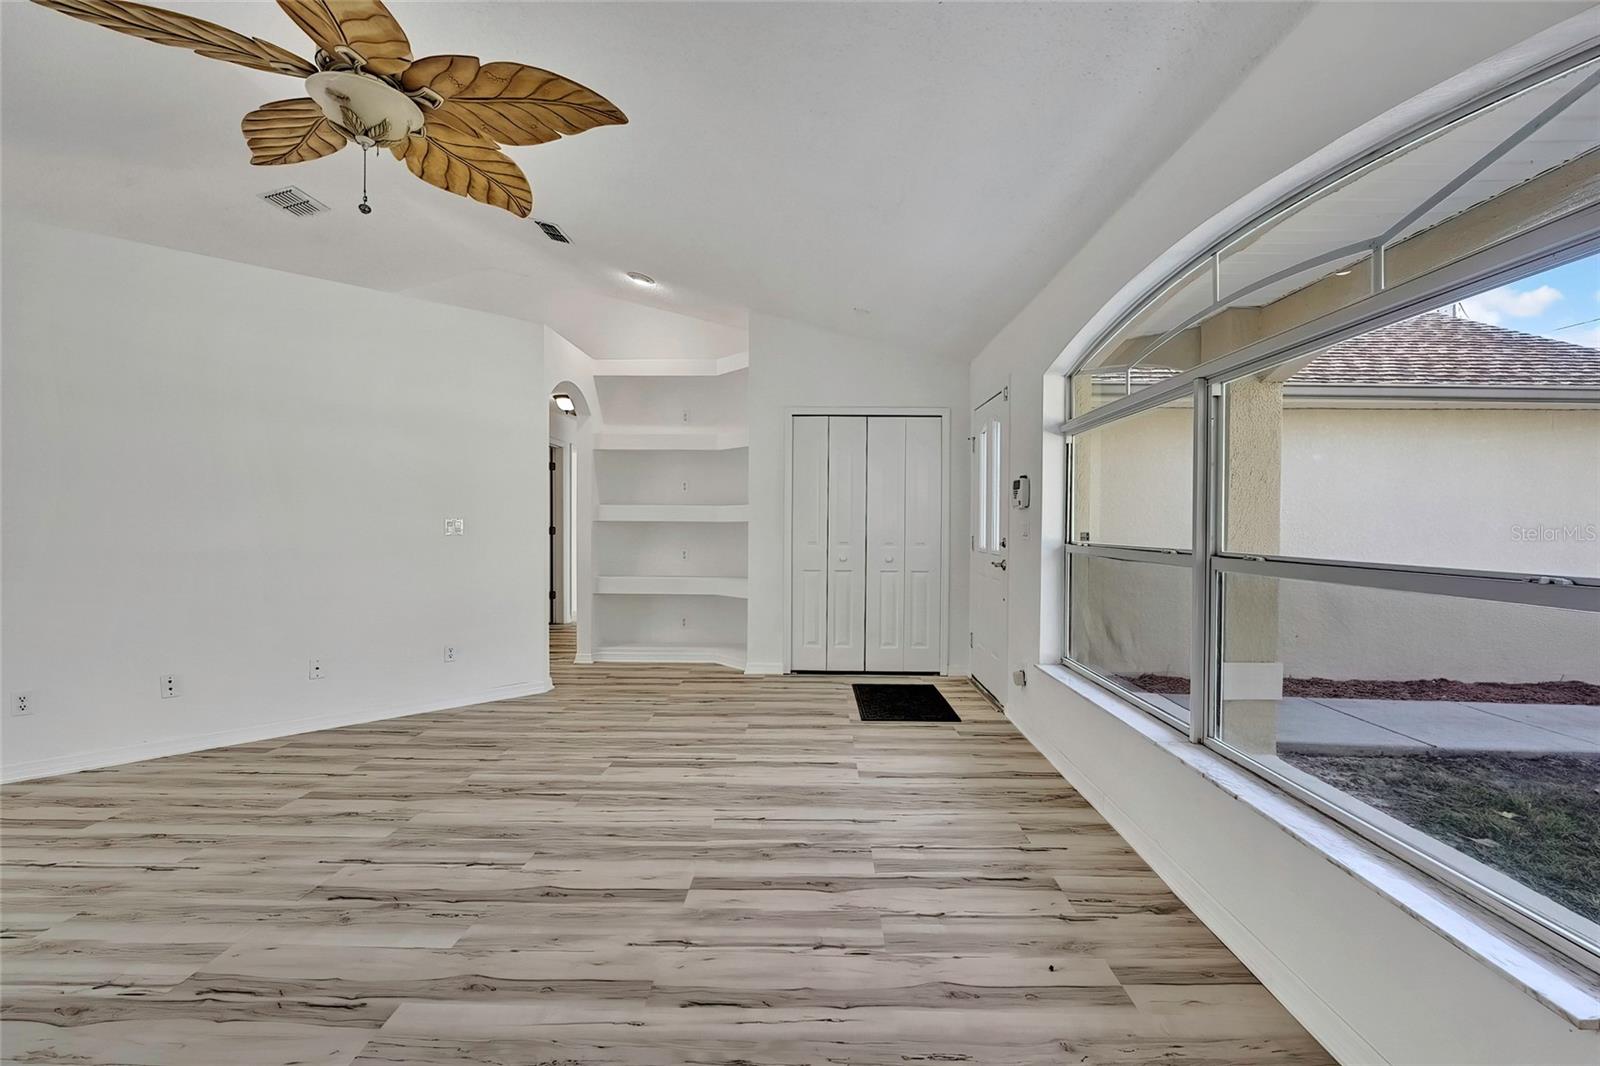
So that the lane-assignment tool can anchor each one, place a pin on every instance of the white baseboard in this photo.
(583, 659)
(763, 668)
(1330, 1028)
(156, 749)
(671, 653)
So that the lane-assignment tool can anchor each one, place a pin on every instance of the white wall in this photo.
(794, 365)
(673, 403)
(221, 472)
(1373, 984)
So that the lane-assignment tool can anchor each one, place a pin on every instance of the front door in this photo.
(990, 523)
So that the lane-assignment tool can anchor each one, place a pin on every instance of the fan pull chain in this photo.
(364, 207)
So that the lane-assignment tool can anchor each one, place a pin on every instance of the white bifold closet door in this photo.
(808, 594)
(866, 585)
(903, 544)
(847, 542)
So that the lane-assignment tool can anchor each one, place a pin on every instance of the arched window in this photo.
(1334, 500)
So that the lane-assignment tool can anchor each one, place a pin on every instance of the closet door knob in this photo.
(888, 558)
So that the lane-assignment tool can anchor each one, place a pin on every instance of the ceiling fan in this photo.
(445, 116)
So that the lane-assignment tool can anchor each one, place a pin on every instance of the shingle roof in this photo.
(1435, 350)
(1440, 349)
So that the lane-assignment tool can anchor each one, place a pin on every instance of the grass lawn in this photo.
(1535, 818)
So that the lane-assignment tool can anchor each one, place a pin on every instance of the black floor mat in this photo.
(903, 703)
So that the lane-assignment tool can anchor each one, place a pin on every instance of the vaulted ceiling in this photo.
(909, 173)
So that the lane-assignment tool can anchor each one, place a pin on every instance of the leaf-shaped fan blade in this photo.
(183, 31)
(459, 161)
(290, 131)
(509, 102)
(364, 26)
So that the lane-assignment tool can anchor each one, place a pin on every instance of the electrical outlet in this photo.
(685, 554)
(685, 486)
(22, 705)
(315, 670)
(449, 653)
(169, 686)
(686, 417)
(683, 623)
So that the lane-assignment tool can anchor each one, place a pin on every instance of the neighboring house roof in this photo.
(1433, 350)
(1440, 349)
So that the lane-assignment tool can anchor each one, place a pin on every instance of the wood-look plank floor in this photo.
(648, 865)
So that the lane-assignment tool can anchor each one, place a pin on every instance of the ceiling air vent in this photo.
(553, 231)
(294, 201)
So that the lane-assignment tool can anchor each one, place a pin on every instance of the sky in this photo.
(1563, 303)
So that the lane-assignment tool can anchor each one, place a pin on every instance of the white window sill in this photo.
(1561, 985)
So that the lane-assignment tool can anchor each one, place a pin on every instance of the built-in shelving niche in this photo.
(671, 518)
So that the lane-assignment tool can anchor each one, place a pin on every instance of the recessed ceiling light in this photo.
(640, 279)
(564, 402)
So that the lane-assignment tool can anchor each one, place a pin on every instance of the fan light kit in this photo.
(640, 279)
(445, 117)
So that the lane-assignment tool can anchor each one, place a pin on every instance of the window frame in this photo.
(1154, 556)
(988, 494)
(1563, 239)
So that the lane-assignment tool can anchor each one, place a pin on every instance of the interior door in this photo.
(847, 539)
(808, 590)
(886, 544)
(905, 515)
(557, 536)
(924, 545)
(990, 525)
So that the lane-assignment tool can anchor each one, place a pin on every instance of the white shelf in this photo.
(672, 440)
(730, 587)
(647, 512)
(721, 654)
(670, 368)
(671, 423)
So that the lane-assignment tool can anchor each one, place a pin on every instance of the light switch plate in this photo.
(455, 527)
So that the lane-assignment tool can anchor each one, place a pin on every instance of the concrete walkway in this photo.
(1384, 727)
(1350, 726)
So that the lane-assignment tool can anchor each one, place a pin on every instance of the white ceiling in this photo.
(908, 173)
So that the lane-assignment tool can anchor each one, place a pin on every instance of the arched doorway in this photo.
(569, 411)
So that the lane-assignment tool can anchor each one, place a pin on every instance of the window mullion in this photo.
(1475, 585)
(1130, 554)
(1200, 658)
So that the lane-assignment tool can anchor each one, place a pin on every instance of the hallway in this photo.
(652, 864)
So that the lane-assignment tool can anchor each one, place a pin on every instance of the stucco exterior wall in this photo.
(1474, 488)
(1456, 487)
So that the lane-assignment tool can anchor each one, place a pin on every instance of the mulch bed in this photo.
(1439, 688)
